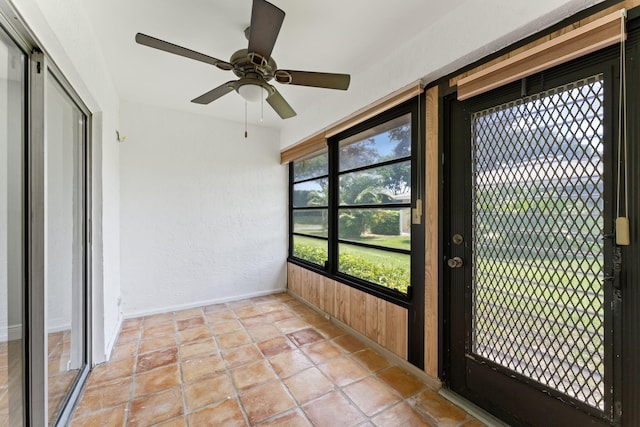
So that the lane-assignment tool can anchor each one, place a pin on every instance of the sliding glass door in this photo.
(12, 231)
(65, 272)
(44, 240)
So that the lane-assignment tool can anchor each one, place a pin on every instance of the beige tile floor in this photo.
(268, 361)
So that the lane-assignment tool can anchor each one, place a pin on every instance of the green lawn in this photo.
(396, 242)
(376, 256)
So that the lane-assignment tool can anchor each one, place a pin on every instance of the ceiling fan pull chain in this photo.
(245, 118)
(261, 109)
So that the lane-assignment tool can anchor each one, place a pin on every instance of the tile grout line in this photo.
(133, 372)
(227, 369)
(346, 350)
(179, 359)
(297, 405)
(242, 406)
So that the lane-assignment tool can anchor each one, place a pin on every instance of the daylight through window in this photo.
(351, 204)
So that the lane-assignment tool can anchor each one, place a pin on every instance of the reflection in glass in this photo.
(390, 228)
(311, 221)
(389, 269)
(310, 249)
(388, 141)
(384, 184)
(12, 232)
(311, 168)
(64, 243)
(311, 193)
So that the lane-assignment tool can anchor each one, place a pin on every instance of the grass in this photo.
(396, 242)
(376, 256)
(554, 305)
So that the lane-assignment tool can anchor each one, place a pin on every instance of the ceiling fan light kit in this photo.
(252, 93)
(254, 66)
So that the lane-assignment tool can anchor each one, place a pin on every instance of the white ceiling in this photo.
(345, 36)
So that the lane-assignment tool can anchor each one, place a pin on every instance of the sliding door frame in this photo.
(39, 67)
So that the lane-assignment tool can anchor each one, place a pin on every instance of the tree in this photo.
(397, 177)
(358, 154)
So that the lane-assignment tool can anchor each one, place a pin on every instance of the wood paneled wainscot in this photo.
(380, 321)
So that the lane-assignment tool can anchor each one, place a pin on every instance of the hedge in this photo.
(386, 223)
(390, 277)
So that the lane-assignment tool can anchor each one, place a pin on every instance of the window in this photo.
(351, 204)
(310, 201)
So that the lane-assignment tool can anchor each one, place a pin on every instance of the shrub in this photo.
(390, 277)
(386, 223)
(351, 226)
(314, 254)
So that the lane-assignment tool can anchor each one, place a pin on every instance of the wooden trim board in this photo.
(588, 38)
(431, 220)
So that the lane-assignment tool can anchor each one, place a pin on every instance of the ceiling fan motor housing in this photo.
(244, 65)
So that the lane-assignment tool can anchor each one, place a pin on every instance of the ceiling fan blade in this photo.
(214, 94)
(155, 43)
(280, 105)
(266, 20)
(310, 78)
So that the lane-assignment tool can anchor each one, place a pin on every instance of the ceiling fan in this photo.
(254, 66)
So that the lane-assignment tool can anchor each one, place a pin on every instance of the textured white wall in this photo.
(204, 210)
(468, 33)
(65, 33)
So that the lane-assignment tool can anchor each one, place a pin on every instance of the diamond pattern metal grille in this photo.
(538, 304)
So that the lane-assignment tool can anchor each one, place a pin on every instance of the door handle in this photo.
(455, 262)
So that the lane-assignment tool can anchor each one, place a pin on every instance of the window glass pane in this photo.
(383, 227)
(310, 249)
(64, 244)
(311, 193)
(388, 141)
(12, 231)
(388, 269)
(311, 167)
(385, 184)
(313, 222)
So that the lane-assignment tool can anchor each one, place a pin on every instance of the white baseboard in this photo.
(58, 327)
(11, 333)
(14, 332)
(112, 340)
(140, 313)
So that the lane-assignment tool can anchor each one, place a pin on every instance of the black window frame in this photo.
(416, 253)
(293, 208)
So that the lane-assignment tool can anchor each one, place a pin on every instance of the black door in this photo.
(530, 282)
